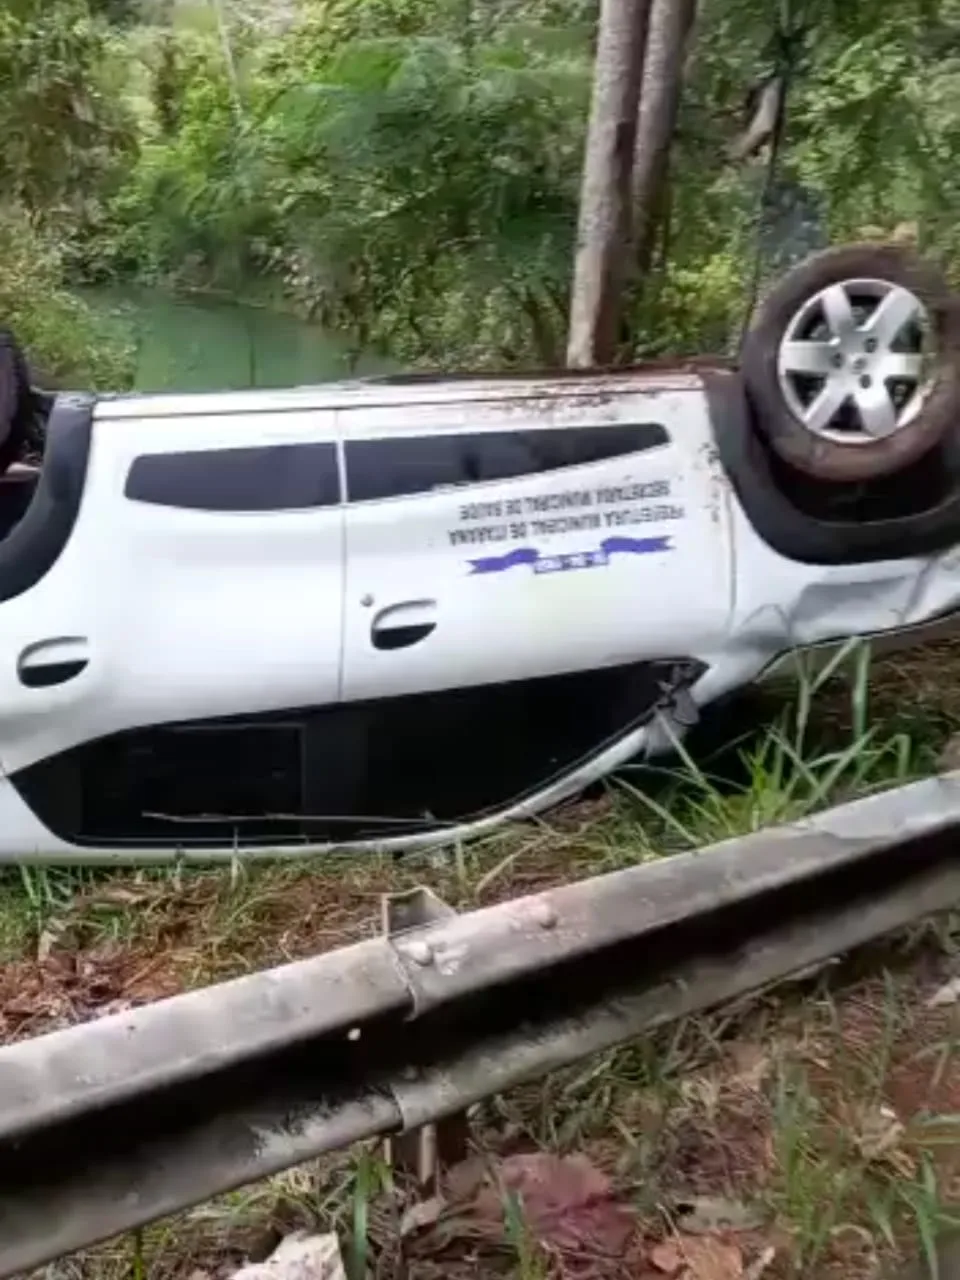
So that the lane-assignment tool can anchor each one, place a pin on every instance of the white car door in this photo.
(159, 682)
(516, 571)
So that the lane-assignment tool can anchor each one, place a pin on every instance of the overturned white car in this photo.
(382, 613)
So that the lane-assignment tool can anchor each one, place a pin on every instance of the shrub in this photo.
(64, 339)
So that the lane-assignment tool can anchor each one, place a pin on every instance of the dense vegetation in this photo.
(408, 171)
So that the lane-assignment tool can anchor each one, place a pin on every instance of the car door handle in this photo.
(401, 625)
(51, 662)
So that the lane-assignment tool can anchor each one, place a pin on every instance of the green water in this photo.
(201, 344)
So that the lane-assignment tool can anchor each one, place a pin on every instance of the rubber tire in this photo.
(786, 434)
(17, 406)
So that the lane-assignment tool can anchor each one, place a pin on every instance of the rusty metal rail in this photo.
(109, 1125)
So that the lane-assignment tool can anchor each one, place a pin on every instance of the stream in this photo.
(199, 343)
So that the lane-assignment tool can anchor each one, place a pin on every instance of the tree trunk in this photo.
(663, 72)
(603, 233)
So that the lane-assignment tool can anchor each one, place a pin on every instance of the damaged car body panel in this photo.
(389, 613)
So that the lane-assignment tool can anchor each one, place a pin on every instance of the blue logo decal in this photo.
(567, 560)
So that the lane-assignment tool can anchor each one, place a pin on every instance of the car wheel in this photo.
(852, 362)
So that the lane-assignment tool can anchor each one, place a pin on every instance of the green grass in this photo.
(654, 1113)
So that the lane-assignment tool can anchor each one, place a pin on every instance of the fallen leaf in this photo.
(118, 896)
(878, 1134)
(703, 1091)
(48, 939)
(462, 1181)
(760, 1264)
(425, 1213)
(567, 1204)
(299, 1257)
(751, 1064)
(948, 994)
(667, 1257)
(710, 1258)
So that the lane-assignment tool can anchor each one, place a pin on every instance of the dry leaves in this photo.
(698, 1258)
(64, 985)
(567, 1206)
(946, 995)
(878, 1134)
(572, 1214)
(750, 1063)
(299, 1257)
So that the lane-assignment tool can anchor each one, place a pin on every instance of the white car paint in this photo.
(189, 615)
(399, 550)
(163, 598)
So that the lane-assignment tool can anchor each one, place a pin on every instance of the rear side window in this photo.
(393, 466)
(274, 478)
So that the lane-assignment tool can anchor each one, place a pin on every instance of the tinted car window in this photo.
(416, 464)
(273, 478)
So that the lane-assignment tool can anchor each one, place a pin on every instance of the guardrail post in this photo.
(422, 1152)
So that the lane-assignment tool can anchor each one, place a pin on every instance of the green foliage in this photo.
(62, 132)
(407, 171)
(62, 337)
(443, 219)
(195, 204)
(407, 182)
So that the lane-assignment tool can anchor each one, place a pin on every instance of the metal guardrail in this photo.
(109, 1125)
